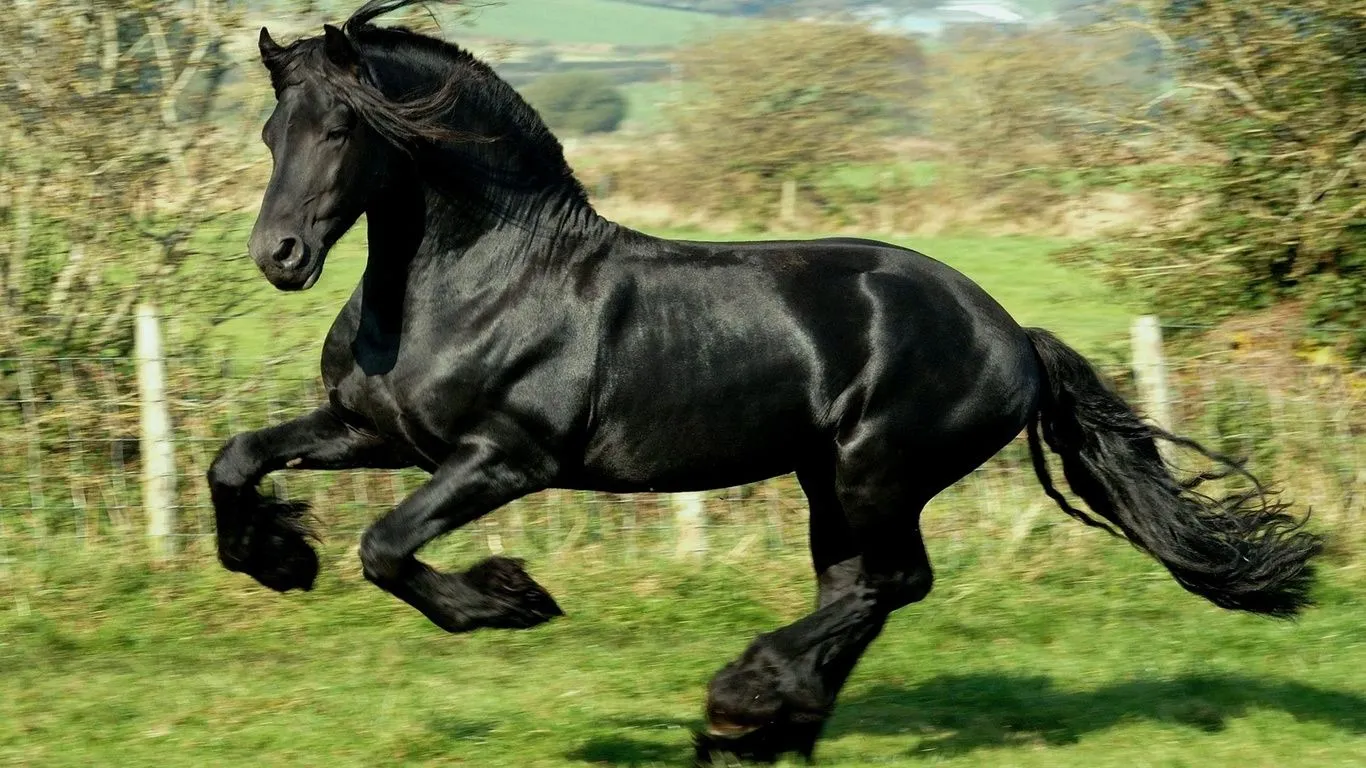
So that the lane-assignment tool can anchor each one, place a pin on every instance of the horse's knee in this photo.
(899, 589)
(233, 466)
(379, 562)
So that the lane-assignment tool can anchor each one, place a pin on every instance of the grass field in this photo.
(589, 21)
(922, 173)
(1083, 656)
(645, 105)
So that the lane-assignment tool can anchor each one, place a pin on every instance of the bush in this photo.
(1272, 92)
(1038, 106)
(776, 102)
(577, 102)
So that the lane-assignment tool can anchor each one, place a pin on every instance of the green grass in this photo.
(918, 173)
(589, 21)
(645, 105)
(1071, 658)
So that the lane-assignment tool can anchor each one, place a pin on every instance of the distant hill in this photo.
(668, 23)
(798, 7)
(606, 22)
(556, 22)
(631, 23)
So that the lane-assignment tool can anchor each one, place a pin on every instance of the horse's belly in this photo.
(691, 452)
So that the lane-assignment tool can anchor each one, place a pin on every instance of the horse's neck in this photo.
(395, 230)
(427, 233)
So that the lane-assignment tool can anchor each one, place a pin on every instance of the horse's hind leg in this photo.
(267, 538)
(870, 560)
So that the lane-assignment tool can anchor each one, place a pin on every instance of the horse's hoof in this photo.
(515, 600)
(292, 564)
(725, 746)
(272, 546)
(761, 707)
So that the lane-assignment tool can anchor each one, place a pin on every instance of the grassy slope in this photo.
(1016, 270)
(645, 105)
(1076, 660)
(588, 21)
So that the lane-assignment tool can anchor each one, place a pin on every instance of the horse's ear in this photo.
(339, 49)
(270, 50)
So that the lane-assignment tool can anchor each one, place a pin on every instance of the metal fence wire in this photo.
(70, 456)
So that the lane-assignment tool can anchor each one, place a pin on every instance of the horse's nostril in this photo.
(287, 253)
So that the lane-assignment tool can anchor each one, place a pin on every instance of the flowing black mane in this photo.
(435, 101)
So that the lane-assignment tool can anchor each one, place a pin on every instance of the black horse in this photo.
(507, 339)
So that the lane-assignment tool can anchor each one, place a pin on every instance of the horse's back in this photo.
(807, 263)
(898, 307)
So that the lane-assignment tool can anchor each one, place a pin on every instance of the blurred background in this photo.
(1173, 186)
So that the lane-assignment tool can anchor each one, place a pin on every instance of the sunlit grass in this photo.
(1083, 656)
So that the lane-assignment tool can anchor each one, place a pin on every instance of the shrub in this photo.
(577, 102)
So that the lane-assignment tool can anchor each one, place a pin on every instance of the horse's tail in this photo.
(1242, 551)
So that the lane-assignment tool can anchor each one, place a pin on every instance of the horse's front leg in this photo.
(489, 467)
(267, 538)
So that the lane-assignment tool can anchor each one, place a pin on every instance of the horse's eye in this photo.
(338, 133)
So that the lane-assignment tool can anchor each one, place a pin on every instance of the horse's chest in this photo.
(371, 397)
(413, 410)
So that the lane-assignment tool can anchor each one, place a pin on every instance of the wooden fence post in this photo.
(787, 204)
(605, 186)
(157, 452)
(1150, 370)
(690, 521)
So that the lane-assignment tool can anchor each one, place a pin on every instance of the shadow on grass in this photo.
(961, 713)
(955, 714)
(454, 729)
(628, 751)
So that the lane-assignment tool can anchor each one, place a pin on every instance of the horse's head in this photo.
(366, 115)
(328, 162)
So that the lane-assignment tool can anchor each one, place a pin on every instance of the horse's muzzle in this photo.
(289, 263)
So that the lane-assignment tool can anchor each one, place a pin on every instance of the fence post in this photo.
(787, 204)
(1150, 370)
(605, 186)
(157, 453)
(690, 521)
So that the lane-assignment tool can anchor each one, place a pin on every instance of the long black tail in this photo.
(1241, 551)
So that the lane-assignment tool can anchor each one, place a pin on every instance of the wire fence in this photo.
(70, 456)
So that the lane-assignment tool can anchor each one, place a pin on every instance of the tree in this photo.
(577, 102)
(791, 101)
(1274, 94)
(113, 157)
(1041, 104)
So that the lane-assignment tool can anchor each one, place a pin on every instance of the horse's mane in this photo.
(424, 117)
